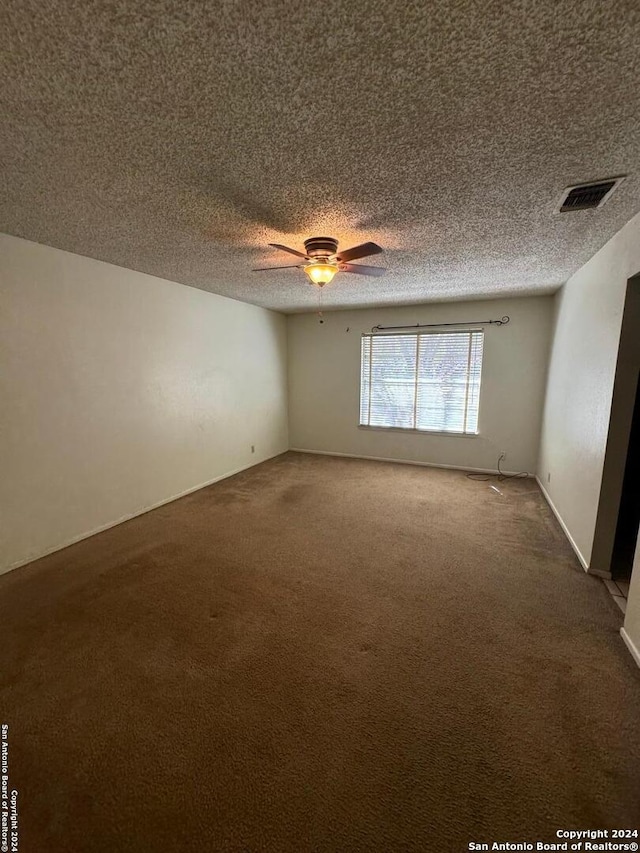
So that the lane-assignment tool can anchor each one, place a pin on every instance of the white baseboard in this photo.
(400, 461)
(135, 514)
(635, 651)
(583, 561)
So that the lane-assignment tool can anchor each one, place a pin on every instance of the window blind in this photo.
(426, 381)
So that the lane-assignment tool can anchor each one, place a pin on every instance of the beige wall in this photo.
(120, 391)
(324, 379)
(582, 369)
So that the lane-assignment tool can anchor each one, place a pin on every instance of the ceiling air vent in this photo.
(587, 196)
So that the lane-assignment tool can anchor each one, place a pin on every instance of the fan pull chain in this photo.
(320, 317)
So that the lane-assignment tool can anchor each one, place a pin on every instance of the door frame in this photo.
(625, 385)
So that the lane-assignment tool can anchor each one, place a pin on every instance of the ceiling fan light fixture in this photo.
(321, 273)
(322, 260)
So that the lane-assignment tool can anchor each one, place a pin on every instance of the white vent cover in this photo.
(588, 196)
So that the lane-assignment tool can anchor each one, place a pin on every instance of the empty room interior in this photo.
(319, 426)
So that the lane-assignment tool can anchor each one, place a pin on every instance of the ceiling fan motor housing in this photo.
(322, 261)
(321, 247)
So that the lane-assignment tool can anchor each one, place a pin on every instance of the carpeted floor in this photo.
(319, 654)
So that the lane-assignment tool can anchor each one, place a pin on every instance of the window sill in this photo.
(421, 431)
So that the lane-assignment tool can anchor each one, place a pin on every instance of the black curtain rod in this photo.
(502, 322)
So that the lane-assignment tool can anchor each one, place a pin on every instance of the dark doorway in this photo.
(629, 515)
(619, 504)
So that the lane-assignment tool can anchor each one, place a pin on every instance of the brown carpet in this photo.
(319, 654)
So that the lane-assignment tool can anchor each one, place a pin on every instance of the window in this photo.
(427, 381)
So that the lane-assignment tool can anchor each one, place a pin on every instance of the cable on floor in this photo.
(499, 475)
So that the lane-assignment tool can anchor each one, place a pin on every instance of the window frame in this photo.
(416, 430)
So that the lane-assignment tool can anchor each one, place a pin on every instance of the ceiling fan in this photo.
(321, 259)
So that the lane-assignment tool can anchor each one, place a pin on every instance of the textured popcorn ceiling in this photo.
(179, 138)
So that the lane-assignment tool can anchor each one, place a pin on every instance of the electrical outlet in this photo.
(253, 448)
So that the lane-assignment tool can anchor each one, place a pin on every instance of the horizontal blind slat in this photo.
(430, 386)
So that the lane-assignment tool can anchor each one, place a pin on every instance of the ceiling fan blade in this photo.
(361, 269)
(361, 251)
(291, 251)
(287, 267)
